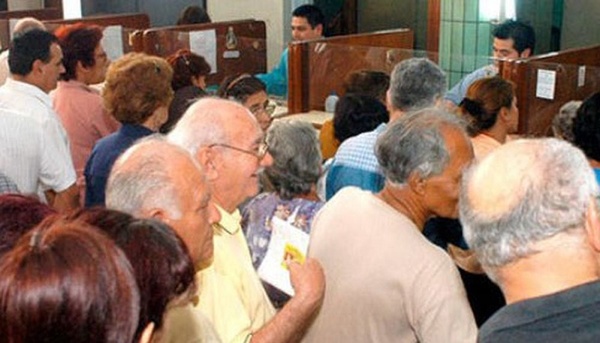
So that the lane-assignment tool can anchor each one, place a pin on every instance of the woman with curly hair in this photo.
(137, 93)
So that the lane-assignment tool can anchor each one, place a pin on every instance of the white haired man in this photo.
(530, 213)
(227, 141)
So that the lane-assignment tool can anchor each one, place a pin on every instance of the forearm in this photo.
(289, 324)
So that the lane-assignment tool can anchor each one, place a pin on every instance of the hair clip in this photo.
(236, 81)
(157, 68)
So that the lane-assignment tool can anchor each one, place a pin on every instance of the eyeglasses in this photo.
(259, 153)
(268, 109)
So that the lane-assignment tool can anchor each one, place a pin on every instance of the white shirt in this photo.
(27, 158)
(31, 102)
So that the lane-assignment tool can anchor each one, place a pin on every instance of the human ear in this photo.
(416, 183)
(592, 224)
(208, 160)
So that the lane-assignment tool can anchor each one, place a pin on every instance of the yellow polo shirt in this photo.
(230, 293)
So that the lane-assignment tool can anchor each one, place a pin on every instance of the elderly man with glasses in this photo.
(227, 141)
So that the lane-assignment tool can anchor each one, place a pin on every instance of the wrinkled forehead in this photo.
(242, 127)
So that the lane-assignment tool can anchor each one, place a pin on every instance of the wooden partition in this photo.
(239, 46)
(317, 68)
(576, 76)
(139, 21)
(7, 16)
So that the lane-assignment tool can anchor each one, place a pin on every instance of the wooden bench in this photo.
(318, 67)
(577, 76)
(240, 45)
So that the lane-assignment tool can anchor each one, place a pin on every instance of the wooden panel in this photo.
(433, 25)
(138, 21)
(316, 68)
(41, 14)
(536, 113)
(248, 56)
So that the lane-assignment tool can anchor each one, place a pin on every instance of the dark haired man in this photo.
(307, 23)
(35, 62)
(512, 39)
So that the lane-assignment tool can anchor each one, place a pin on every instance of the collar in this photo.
(29, 89)
(230, 222)
(74, 84)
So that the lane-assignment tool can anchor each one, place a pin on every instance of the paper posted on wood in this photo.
(286, 242)
(204, 43)
(546, 82)
(112, 42)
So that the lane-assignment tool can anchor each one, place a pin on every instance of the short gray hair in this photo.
(547, 192)
(142, 178)
(204, 123)
(296, 158)
(562, 123)
(414, 143)
(416, 83)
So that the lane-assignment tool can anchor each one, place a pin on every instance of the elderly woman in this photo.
(562, 123)
(78, 105)
(252, 93)
(586, 131)
(292, 177)
(67, 282)
(385, 281)
(137, 93)
(189, 81)
(491, 109)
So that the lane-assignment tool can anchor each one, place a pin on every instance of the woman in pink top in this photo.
(78, 105)
(490, 107)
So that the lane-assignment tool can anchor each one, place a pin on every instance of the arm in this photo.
(291, 322)
(277, 79)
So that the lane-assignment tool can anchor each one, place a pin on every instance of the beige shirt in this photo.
(231, 294)
(385, 281)
(183, 324)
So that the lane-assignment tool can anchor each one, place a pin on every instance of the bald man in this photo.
(530, 213)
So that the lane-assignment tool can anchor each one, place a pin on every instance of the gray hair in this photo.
(562, 123)
(414, 143)
(416, 83)
(204, 123)
(296, 158)
(141, 178)
(547, 191)
(26, 24)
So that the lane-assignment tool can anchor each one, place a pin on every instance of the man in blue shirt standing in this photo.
(307, 23)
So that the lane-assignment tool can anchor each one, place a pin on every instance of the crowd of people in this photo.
(142, 210)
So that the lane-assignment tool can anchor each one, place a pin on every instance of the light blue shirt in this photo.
(277, 79)
(458, 92)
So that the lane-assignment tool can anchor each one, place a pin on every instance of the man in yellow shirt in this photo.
(227, 142)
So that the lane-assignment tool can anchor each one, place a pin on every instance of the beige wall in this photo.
(270, 11)
(581, 23)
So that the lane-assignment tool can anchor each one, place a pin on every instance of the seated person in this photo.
(490, 108)
(562, 123)
(250, 92)
(512, 40)
(193, 15)
(68, 282)
(363, 82)
(291, 190)
(189, 83)
(586, 128)
(307, 23)
(137, 93)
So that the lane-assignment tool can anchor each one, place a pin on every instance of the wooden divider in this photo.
(139, 21)
(240, 45)
(6, 16)
(577, 76)
(318, 67)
